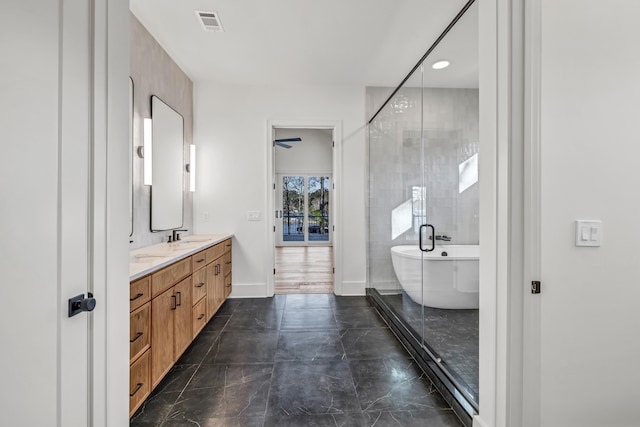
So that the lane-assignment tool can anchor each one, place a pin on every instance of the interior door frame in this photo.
(336, 198)
(278, 197)
(509, 169)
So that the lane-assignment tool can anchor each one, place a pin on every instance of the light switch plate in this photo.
(588, 232)
(253, 216)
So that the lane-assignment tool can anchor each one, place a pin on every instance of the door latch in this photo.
(535, 287)
(79, 303)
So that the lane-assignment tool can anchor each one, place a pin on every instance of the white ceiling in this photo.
(298, 42)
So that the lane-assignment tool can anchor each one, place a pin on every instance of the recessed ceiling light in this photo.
(440, 65)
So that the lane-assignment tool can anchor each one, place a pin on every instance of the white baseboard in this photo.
(477, 422)
(353, 288)
(249, 290)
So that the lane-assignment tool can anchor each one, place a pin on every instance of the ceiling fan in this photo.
(281, 142)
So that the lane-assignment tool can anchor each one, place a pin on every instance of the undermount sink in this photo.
(192, 240)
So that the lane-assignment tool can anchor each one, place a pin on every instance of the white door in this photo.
(59, 232)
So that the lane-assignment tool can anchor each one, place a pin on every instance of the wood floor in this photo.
(304, 270)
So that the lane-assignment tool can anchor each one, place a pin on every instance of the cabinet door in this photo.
(162, 308)
(212, 305)
(182, 317)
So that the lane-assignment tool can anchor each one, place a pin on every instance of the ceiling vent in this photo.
(210, 21)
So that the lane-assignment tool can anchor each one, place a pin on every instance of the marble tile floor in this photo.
(295, 360)
(453, 334)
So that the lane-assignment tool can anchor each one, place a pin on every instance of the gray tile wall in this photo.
(155, 73)
(397, 160)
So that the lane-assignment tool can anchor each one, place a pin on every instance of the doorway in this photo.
(303, 198)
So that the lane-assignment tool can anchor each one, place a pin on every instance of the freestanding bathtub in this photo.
(450, 275)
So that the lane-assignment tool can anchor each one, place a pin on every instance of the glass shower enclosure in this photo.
(423, 225)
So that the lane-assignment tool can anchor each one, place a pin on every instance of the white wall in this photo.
(230, 130)
(312, 155)
(590, 150)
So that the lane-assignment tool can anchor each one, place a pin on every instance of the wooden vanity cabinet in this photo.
(168, 309)
(170, 328)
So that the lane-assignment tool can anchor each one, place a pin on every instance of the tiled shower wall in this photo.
(397, 160)
(155, 73)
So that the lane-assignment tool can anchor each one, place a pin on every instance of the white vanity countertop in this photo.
(143, 261)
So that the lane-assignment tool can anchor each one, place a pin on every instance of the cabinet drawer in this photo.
(214, 252)
(227, 245)
(139, 384)
(226, 263)
(227, 285)
(139, 293)
(199, 316)
(199, 285)
(169, 276)
(139, 331)
(198, 260)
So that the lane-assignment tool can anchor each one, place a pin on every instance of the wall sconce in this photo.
(191, 168)
(147, 147)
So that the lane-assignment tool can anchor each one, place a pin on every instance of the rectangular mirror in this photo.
(167, 132)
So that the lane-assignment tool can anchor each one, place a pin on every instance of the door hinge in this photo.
(334, 270)
(334, 185)
(274, 228)
(535, 287)
(274, 185)
(334, 144)
(334, 228)
(274, 271)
